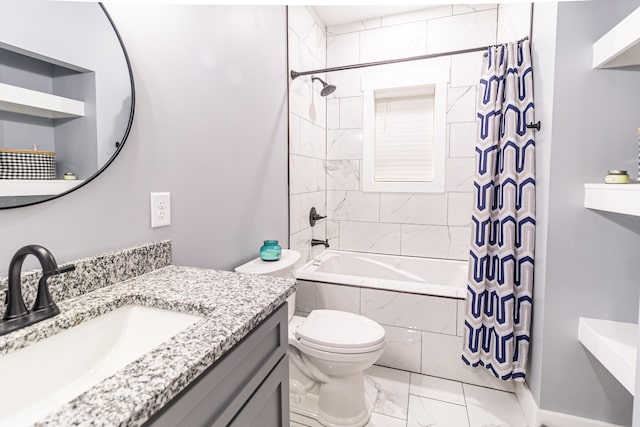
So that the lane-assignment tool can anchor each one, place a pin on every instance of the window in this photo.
(404, 133)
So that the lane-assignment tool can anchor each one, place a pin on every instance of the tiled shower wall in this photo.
(427, 225)
(307, 130)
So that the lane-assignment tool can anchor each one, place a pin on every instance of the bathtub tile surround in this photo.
(315, 296)
(394, 228)
(422, 312)
(403, 348)
(433, 401)
(97, 272)
(232, 305)
(307, 131)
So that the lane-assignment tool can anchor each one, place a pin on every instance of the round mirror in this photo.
(66, 98)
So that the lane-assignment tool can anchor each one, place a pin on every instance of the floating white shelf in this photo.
(614, 344)
(620, 46)
(26, 101)
(620, 198)
(26, 187)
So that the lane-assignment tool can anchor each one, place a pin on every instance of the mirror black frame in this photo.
(126, 131)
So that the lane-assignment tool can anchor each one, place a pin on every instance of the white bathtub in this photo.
(425, 276)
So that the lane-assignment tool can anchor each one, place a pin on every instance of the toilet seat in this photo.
(339, 332)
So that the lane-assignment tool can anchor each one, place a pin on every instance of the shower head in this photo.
(327, 89)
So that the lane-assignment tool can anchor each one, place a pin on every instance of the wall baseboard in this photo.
(537, 417)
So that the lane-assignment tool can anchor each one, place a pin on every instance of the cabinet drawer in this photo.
(216, 396)
(269, 405)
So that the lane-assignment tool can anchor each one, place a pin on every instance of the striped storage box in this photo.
(27, 164)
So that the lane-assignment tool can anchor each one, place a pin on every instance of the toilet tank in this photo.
(283, 267)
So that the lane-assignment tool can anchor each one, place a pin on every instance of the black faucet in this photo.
(17, 316)
(316, 242)
(314, 216)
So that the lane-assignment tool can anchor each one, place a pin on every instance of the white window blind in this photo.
(404, 139)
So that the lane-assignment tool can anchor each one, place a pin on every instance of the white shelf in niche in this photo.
(614, 344)
(33, 187)
(620, 46)
(34, 103)
(619, 198)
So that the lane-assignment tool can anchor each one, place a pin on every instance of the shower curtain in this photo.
(501, 259)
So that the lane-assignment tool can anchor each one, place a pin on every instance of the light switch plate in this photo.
(160, 209)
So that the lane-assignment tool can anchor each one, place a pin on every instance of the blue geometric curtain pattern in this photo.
(501, 259)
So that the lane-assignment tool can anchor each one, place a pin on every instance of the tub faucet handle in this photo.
(314, 216)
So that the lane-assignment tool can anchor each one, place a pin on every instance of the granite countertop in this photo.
(231, 304)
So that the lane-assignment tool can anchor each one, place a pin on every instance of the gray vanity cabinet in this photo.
(249, 386)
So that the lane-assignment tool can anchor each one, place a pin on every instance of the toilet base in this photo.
(307, 407)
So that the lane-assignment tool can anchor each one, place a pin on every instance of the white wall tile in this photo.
(412, 208)
(466, 69)
(462, 31)
(429, 412)
(299, 98)
(422, 312)
(437, 388)
(333, 233)
(387, 391)
(303, 175)
(514, 21)
(343, 174)
(353, 206)
(415, 16)
(351, 113)
(370, 237)
(460, 241)
(317, 200)
(402, 349)
(343, 49)
(294, 213)
(293, 50)
(347, 82)
(301, 242)
(459, 211)
(461, 104)
(310, 139)
(398, 41)
(459, 9)
(459, 174)
(333, 114)
(462, 139)
(344, 144)
(425, 241)
(462, 306)
(302, 22)
(352, 27)
(493, 407)
(313, 295)
(318, 107)
(441, 357)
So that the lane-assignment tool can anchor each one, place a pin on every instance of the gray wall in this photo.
(587, 262)
(210, 127)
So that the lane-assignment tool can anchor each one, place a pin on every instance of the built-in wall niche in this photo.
(51, 106)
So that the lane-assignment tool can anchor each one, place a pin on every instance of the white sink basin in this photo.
(39, 378)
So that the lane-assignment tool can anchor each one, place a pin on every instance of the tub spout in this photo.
(316, 242)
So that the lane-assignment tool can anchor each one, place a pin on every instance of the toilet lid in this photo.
(339, 330)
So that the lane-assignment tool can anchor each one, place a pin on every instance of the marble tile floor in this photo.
(405, 399)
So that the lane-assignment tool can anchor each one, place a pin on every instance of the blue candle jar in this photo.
(270, 251)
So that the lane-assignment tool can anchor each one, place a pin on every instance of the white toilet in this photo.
(328, 353)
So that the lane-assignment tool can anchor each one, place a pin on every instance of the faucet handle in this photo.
(43, 298)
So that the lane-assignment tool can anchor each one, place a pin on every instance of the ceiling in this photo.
(335, 15)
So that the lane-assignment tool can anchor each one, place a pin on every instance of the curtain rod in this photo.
(295, 74)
